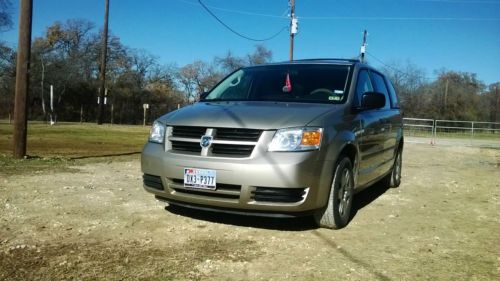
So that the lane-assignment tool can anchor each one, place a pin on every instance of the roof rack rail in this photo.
(329, 59)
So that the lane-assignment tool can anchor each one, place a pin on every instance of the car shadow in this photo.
(367, 196)
(283, 224)
(361, 200)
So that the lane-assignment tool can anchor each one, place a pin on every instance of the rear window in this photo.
(291, 83)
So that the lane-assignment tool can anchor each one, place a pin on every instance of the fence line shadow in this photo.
(104, 155)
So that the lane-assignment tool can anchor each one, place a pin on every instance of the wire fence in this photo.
(452, 132)
(443, 132)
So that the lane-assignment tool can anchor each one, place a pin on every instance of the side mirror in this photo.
(372, 100)
(203, 95)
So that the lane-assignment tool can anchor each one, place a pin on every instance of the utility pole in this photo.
(363, 46)
(496, 105)
(445, 101)
(22, 79)
(293, 26)
(104, 50)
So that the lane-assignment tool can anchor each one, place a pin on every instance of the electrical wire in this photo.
(236, 32)
(370, 18)
(395, 69)
(246, 13)
(462, 1)
(400, 18)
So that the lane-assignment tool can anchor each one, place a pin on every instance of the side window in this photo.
(379, 83)
(392, 93)
(363, 85)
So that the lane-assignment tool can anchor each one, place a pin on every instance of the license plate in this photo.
(199, 178)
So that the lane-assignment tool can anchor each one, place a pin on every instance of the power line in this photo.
(236, 32)
(399, 18)
(386, 65)
(282, 16)
(371, 18)
(462, 1)
(395, 69)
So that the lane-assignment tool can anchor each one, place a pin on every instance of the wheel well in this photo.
(350, 151)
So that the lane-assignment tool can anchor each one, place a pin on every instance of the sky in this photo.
(458, 35)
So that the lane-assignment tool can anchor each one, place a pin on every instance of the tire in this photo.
(393, 179)
(337, 213)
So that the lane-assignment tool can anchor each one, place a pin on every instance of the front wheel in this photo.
(338, 210)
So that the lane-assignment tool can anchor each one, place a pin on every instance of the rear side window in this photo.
(379, 83)
(392, 93)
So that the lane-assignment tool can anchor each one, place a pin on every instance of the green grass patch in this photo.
(60, 146)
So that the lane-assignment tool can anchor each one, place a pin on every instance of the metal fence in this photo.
(452, 132)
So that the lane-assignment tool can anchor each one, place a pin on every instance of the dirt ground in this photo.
(96, 222)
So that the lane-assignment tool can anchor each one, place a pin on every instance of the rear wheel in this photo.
(393, 179)
(338, 210)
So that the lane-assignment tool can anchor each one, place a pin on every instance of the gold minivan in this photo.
(284, 139)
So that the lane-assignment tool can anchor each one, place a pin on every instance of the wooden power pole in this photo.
(293, 26)
(363, 46)
(22, 79)
(104, 51)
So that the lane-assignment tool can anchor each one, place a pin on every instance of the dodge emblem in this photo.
(206, 141)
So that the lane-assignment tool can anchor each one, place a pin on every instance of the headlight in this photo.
(157, 133)
(296, 139)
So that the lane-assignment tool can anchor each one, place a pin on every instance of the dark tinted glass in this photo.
(379, 83)
(291, 83)
(392, 93)
(363, 85)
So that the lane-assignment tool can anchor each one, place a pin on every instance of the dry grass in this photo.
(54, 147)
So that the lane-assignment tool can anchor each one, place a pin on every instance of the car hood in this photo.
(248, 114)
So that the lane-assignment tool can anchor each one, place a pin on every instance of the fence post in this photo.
(434, 134)
(471, 132)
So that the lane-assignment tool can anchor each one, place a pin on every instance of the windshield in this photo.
(323, 83)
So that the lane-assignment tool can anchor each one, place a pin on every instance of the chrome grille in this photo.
(188, 132)
(230, 149)
(186, 146)
(227, 142)
(238, 134)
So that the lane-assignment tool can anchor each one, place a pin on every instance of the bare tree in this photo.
(229, 62)
(198, 77)
(409, 81)
(261, 55)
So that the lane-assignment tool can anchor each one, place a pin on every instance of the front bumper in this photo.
(240, 180)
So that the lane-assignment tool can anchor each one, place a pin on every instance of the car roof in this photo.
(335, 61)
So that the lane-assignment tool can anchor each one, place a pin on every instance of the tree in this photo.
(198, 77)
(7, 61)
(229, 62)
(261, 55)
(457, 95)
(490, 103)
(409, 81)
(64, 58)
(7, 79)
